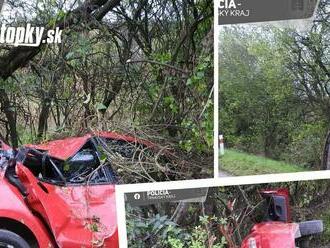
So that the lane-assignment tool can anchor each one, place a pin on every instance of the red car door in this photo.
(78, 216)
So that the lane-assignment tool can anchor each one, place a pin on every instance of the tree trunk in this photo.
(9, 112)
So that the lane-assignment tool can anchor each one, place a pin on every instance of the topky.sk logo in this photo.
(27, 35)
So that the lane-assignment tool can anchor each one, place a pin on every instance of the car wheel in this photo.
(9, 239)
(311, 227)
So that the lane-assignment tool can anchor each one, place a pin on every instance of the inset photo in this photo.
(288, 214)
(274, 94)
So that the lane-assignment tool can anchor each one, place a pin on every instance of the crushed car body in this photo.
(62, 193)
(277, 229)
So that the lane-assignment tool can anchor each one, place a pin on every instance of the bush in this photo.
(307, 145)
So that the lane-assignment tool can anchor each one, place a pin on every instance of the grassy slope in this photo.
(240, 164)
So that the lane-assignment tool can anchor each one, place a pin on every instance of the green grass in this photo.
(242, 164)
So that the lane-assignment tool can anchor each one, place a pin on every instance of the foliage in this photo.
(307, 144)
(161, 231)
(274, 90)
(226, 217)
(142, 231)
(143, 67)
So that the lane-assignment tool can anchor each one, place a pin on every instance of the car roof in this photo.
(66, 148)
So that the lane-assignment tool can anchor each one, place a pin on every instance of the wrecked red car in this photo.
(277, 230)
(61, 193)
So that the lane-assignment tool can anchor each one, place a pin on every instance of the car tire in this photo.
(12, 240)
(311, 227)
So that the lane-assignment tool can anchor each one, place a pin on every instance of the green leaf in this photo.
(100, 106)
